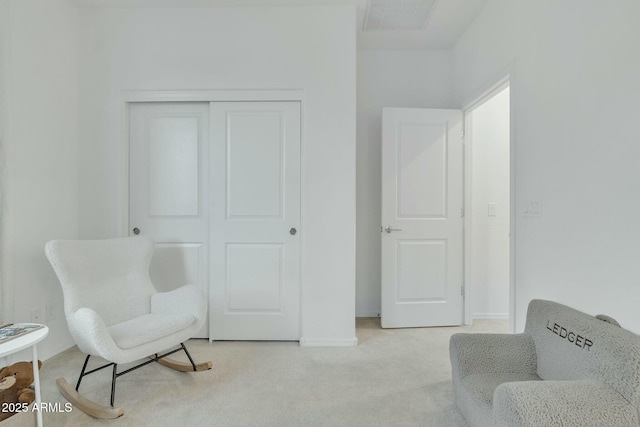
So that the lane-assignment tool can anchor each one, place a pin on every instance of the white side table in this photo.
(20, 343)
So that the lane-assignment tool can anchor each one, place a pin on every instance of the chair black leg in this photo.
(115, 374)
(189, 356)
(84, 367)
(113, 383)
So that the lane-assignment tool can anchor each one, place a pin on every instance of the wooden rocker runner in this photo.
(114, 311)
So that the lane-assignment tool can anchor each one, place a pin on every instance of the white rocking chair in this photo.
(114, 311)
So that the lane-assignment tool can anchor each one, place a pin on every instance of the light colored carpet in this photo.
(394, 377)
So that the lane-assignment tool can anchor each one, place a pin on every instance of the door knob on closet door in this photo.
(293, 231)
(136, 231)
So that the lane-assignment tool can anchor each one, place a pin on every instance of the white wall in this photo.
(575, 90)
(310, 48)
(419, 79)
(488, 148)
(40, 143)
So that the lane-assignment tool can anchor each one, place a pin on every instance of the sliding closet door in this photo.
(168, 195)
(255, 221)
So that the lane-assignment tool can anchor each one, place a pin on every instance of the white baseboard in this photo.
(328, 342)
(490, 316)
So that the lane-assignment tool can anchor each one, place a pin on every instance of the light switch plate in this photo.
(533, 208)
(492, 209)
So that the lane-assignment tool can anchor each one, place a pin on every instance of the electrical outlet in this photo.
(36, 315)
(51, 312)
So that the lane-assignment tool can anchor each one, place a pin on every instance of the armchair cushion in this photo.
(148, 328)
(586, 403)
(482, 386)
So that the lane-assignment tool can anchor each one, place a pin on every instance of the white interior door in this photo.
(255, 221)
(422, 224)
(168, 195)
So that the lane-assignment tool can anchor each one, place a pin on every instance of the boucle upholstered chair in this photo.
(567, 369)
(113, 310)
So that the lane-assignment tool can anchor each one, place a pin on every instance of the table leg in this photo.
(36, 385)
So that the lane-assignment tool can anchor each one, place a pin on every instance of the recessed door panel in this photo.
(257, 289)
(422, 170)
(422, 271)
(255, 150)
(173, 166)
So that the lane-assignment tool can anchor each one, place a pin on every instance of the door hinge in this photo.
(461, 212)
(461, 290)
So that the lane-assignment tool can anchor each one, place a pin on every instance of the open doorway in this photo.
(488, 245)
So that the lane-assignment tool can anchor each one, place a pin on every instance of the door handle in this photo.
(389, 229)
(136, 231)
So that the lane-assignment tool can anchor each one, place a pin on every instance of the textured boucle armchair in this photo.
(115, 314)
(566, 369)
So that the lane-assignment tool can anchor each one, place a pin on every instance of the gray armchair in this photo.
(566, 369)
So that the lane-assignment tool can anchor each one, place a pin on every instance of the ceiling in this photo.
(445, 21)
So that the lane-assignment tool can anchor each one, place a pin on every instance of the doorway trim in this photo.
(504, 80)
(215, 95)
